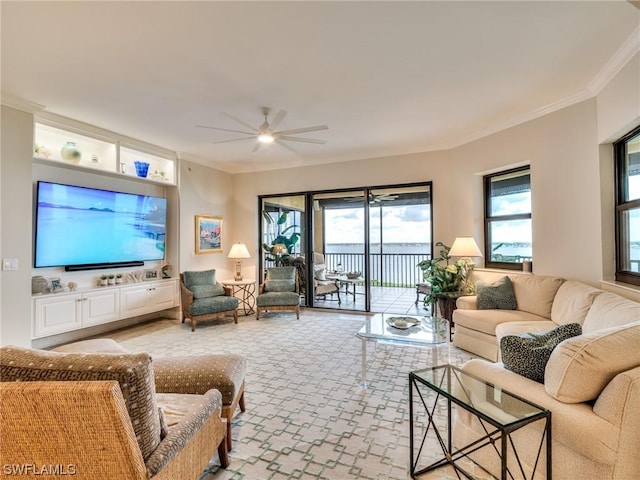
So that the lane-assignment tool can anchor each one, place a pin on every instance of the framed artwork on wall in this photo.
(208, 234)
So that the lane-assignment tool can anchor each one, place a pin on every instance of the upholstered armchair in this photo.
(203, 298)
(279, 291)
(98, 415)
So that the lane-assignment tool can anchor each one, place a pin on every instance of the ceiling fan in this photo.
(266, 132)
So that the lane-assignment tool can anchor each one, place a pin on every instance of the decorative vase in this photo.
(71, 152)
(142, 168)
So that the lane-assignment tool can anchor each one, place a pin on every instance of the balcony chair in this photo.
(205, 299)
(279, 292)
(322, 286)
(101, 415)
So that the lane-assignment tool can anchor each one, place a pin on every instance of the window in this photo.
(627, 164)
(507, 216)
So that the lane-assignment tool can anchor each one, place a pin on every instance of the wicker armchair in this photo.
(98, 416)
(279, 292)
(205, 299)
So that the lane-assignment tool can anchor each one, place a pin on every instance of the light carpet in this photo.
(307, 417)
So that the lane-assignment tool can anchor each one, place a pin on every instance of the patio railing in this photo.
(386, 269)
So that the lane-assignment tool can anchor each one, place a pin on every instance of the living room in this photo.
(568, 148)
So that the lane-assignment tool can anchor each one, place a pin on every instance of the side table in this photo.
(247, 290)
(500, 413)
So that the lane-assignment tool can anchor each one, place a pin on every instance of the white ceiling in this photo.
(388, 78)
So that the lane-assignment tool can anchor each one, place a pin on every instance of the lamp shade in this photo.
(465, 247)
(239, 250)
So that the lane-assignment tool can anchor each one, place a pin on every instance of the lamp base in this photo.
(238, 276)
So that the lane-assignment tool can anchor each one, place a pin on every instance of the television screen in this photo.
(86, 226)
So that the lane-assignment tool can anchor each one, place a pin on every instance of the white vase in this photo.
(71, 152)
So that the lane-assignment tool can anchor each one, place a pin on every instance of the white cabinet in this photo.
(148, 297)
(64, 312)
(57, 314)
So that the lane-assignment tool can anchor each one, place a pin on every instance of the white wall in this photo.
(15, 216)
(205, 191)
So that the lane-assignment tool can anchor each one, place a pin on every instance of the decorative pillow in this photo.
(527, 354)
(204, 277)
(273, 285)
(582, 367)
(320, 273)
(205, 291)
(498, 296)
(132, 371)
(281, 273)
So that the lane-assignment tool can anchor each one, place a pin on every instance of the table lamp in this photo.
(465, 247)
(278, 250)
(239, 251)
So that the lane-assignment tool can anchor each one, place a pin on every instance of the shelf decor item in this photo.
(142, 168)
(71, 152)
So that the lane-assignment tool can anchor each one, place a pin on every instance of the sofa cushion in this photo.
(498, 295)
(527, 354)
(535, 293)
(203, 277)
(610, 310)
(204, 306)
(205, 291)
(580, 368)
(132, 371)
(572, 302)
(486, 321)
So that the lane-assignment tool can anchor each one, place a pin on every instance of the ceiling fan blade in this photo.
(225, 129)
(301, 130)
(234, 140)
(240, 122)
(257, 147)
(282, 144)
(299, 139)
(277, 119)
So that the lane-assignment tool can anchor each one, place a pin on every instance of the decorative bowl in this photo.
(353, 275)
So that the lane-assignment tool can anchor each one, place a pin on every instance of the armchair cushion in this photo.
(527, 354)
(207, 305)
(279, 285)
(320, 272)
(205, 291)
(273, 299)
(133, 372)
(203, 277)
(498, 296)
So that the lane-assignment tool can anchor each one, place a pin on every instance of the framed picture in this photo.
(208, 234)
(150, 274)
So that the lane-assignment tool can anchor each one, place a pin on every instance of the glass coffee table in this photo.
(499, 412)
(417, 331)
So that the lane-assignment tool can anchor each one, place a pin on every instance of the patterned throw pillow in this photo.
(528, 354)
(498, 296)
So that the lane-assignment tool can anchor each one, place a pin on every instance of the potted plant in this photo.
(278, 236)
(118, 278)
(112, 279)
(103, 280)
(447, 280)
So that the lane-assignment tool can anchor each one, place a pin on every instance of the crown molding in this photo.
(10, 100)
(625, 53)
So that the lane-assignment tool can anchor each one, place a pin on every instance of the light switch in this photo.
(9, 264)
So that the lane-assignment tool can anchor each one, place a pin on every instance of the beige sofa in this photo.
(591, 382)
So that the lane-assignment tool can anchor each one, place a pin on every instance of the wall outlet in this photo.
(9, 264)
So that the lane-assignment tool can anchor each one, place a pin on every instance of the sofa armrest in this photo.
(180, 434)
(467, 302)
(83, 424)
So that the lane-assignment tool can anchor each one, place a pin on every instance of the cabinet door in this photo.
(57, 314)
(134, 300)
(163, 295)
(100, 307)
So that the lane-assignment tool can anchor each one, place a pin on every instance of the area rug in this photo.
(307, 417)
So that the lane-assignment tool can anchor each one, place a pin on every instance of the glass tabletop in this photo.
(425, 330)
(484, 399)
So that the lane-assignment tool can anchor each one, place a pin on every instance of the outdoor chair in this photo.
(279, 292)
(322, 286)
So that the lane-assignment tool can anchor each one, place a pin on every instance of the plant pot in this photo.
(103, 283)
(112, 281)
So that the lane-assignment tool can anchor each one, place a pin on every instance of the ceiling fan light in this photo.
(265, 138)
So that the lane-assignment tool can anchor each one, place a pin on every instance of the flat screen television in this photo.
(84, 228)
